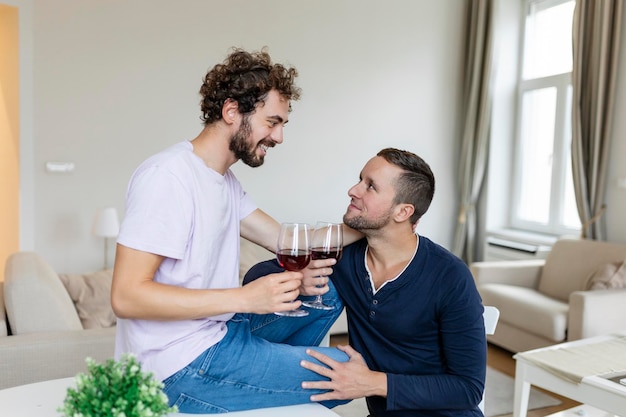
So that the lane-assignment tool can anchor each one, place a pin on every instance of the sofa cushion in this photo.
(91, 294)
(35, 298)
(570, 263)
(527, 309)
(251, 254)
(608, 276)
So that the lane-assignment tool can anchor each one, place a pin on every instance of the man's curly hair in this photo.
(247, 78)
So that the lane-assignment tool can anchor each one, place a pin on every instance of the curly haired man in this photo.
(217, 346)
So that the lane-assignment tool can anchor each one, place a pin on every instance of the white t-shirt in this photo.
(179, 208)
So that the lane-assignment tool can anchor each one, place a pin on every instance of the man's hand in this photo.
(272, 293)
(316, 274)
(348, 380)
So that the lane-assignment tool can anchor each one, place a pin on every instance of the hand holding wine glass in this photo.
(294, 254)
(327, 242)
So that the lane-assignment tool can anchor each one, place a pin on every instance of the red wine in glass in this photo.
(293, 260)
(293, 252)
(321, 253)
(327, 242)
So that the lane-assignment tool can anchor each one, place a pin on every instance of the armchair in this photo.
(544, 302)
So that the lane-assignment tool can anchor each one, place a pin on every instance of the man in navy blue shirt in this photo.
(417, 343)
(416, 330)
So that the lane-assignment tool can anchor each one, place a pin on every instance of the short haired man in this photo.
(415, 325)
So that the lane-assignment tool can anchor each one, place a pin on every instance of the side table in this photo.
(42, 399)
(575, 370)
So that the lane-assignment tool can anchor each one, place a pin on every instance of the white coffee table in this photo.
(42, 399)
(551, 368)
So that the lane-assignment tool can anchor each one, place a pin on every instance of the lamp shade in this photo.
(106, 223)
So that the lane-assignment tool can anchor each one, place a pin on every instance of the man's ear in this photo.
(230, 111)
(404, 212)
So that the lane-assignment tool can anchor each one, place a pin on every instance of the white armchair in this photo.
(544, 302)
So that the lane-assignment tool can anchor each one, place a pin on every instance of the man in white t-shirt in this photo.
(217, 346)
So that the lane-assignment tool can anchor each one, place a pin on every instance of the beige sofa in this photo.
(47, 339)
(578, 291)
(57, 320)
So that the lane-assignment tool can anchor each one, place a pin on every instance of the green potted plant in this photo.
(116, 389)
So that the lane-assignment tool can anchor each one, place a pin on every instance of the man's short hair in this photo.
(416, 185)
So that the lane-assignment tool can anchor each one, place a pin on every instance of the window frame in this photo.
(561, 145)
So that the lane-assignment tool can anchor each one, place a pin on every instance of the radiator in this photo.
(499, 249)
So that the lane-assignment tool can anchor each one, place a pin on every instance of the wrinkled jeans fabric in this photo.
(257, 363)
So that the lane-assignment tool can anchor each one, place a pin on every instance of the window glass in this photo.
(536, 153)
(548, 39)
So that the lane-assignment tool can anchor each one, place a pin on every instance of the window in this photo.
(543, 192)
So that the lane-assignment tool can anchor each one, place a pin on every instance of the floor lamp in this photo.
(106, 225)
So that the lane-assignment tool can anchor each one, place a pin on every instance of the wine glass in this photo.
(293, 253)
(327, 242)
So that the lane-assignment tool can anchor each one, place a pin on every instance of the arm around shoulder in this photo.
(260, 228)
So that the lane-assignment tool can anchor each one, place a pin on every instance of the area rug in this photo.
(499, 391)
(498, 398)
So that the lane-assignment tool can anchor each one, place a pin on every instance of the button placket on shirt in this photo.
(374, 301)
(373, 307)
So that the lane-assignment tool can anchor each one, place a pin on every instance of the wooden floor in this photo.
(503, 361)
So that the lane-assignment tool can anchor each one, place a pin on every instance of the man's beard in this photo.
(361, 224)
(239, 146)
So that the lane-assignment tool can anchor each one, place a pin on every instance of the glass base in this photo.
(317, 304)
(293, 313)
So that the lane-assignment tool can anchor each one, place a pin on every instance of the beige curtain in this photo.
(595, 46)
(476, 123)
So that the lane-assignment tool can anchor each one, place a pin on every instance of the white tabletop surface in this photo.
(42, 399)
(544, 368)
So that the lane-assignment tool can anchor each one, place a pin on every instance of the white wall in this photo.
(106, 83)
(115, 81)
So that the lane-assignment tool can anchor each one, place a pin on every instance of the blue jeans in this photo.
(257, 363)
